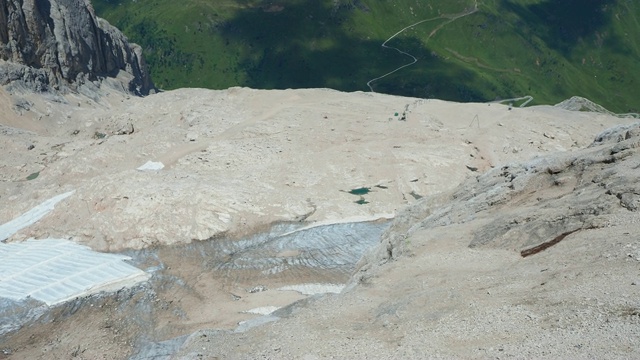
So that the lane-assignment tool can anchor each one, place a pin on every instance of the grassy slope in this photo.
(549, 49)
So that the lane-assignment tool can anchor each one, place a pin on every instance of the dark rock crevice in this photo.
(544, 246)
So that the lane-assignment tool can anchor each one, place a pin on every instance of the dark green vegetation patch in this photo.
(550, 49)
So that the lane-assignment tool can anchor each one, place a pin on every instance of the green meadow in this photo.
(466, 50)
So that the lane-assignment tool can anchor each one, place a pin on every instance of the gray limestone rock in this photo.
(61, 44)
(530, 206)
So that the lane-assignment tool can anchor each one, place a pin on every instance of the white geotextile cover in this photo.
(151, 166)
(56, 270)
(31, 217)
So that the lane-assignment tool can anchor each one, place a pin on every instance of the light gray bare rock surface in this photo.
(238, 161)
(453, 277)
(537, 202)
(259, 157)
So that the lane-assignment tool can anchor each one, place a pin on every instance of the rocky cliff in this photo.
(61, 44)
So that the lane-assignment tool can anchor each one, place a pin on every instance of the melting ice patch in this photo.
(265, 310)
(313, 289)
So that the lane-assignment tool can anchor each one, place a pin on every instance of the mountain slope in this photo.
(466, 50)
(238, 160)
(446, 283)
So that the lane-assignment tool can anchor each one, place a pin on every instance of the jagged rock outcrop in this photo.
(530, 206)
(60, 44)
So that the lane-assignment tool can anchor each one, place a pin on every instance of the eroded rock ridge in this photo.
(533, 205)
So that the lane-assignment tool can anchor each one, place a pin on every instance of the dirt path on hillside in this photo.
(451, 18)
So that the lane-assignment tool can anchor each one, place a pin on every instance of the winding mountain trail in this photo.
(431, 34)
